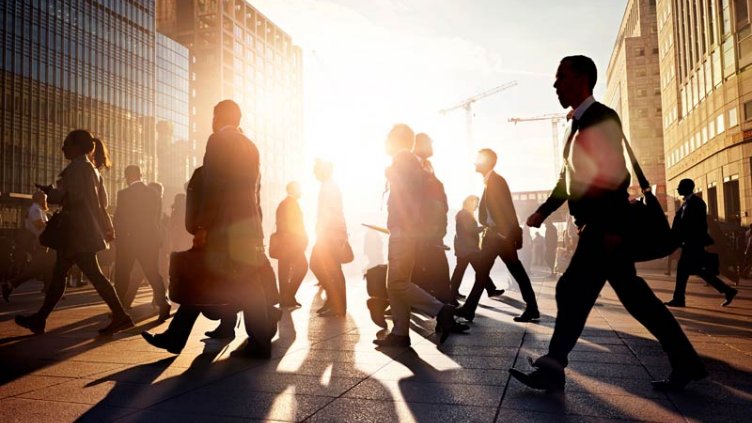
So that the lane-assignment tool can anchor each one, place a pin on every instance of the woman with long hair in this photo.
(86, 230)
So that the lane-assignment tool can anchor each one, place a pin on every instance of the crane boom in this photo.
(466, 103)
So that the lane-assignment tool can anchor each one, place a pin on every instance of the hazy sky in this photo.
(370, 64)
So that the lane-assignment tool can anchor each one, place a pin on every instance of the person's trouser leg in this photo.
(458, 274)
(439, 273)
(88, 264)
(482, 263)
(298, 270)
(576, 293)
(283, 276)
(56, 289)
(716, 283)
(124, 260)
(682, 276)
(259, 323)
(181, 325)
(403, 294)
(640, 301)
(149, 260)
(513, 263)
(338, 288)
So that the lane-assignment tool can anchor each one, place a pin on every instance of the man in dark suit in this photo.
(595, 184)
(690, 229)
(502, 238)
(292, 265)
(228, 227)
(137, 222)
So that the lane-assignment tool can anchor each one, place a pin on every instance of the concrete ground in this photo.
(326, 369)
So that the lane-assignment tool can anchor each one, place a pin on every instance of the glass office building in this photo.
(242, 55)
(70, 64)
(175, 158)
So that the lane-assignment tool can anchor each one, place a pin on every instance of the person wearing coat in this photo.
(87, 229)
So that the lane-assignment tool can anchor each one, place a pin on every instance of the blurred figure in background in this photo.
(551, 244)
(292, 265)
(467, 247)
(41, 260)
(137, 223)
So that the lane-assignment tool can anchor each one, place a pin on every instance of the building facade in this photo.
(75, 64)
(705, 50)
(241, 55)
(175, 149)
(633, 89)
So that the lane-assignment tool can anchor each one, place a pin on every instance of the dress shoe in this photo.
(162, 341)
(461, 297)
(164, 312)
(460, 327)
(729, 297)
(33, 323)
(331, 313)
(376, 307)
(677, 381)
(675, 303)
(7, 289)
(393, 340)
(117, 324)
(253, 351)
(445, 322)
(496, 293)
(548, 375)
(221, 332)
(527, 316)
(465, 313)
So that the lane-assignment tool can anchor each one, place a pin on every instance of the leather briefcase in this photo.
(198, 279)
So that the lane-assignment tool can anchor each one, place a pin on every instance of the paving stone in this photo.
(363, 411)
(20, 410)
(432, 393)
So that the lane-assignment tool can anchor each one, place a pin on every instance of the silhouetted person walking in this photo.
(292, 265)
(331, 236)
(230, 231)
(595, 185)
(467, 247)
(502, 238)
(180, 239)
(431, 266)
(405, 178)
(87, 229)
(690, 229)
(137, 223)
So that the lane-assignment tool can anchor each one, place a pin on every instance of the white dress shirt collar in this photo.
(582, 108)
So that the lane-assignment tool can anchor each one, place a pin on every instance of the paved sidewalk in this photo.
(326, 369)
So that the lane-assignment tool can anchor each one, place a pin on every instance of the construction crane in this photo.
(467, 104)
(556, 119)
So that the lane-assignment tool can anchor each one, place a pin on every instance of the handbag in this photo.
(650, 235)
(344, 252)
(276, 245)
(55, 233)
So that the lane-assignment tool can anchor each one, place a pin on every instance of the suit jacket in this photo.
(467, 239)
(497, 202)
(290, 223)
(230, 208)
(596, 179)
(80, 192)
(435, 205)
(138, 216)
(690, 226)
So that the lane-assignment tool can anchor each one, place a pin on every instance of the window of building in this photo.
(729, 58)
(711, 129)
(712, 200)
(731, 198)
(704, 134)
(720, 124)
(725, 17)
